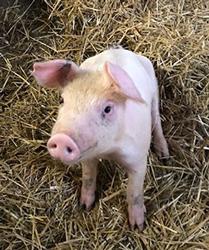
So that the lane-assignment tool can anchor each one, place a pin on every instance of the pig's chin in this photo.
(70, 162)
(77, 161)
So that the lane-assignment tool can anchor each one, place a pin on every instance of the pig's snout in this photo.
(62, 147)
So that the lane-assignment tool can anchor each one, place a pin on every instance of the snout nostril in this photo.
(69, 150)
(54, 145)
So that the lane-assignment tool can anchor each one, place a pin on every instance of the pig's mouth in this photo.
(85, 152)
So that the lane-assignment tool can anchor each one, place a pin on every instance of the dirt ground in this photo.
(39, 197)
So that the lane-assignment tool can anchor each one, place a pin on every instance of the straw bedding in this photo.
(39, 206)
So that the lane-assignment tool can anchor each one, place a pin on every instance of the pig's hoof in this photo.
(161, 149)
(163, 155)
(165, 159)
(136, 216)
(87, 201)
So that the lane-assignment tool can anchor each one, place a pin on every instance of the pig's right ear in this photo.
(54, 73)
(122, 81)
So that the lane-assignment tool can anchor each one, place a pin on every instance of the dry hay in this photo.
(38, 196)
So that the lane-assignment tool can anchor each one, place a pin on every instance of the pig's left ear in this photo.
(122, 80)
(54, 73)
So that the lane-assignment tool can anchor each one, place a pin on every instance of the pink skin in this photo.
(89, 174)
(124, 133)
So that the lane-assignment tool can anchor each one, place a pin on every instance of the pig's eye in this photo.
(107, 109)
(61, 100)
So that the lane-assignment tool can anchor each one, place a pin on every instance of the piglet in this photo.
(109, 110)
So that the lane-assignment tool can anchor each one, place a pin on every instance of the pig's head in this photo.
(90, 118)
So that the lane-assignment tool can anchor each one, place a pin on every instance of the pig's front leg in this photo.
(89, 174)
(135, 195)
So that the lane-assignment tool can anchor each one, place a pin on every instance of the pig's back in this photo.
(138, 67)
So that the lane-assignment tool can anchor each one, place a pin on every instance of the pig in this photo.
(109, 110)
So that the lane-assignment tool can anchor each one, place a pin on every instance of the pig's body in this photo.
(117, 110)
(136, 136)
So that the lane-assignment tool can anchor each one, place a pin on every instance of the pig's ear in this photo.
(54, 73)
(122, 80)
